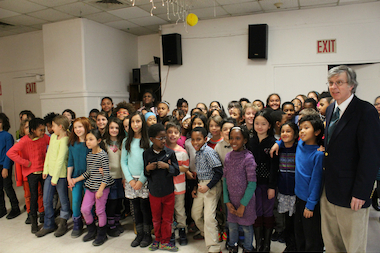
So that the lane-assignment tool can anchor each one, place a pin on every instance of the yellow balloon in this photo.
(192, 19)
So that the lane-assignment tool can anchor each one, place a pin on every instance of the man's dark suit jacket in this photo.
(352, 156)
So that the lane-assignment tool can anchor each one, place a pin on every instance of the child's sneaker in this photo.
(168, 247)
(154, 246)
(224, 236)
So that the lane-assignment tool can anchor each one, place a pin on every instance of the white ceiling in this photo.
(29, 15)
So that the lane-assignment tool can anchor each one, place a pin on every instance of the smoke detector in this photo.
(278, 5)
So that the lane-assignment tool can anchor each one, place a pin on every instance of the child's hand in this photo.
(307, 213)
(162, 165)
(71, 183)
(203, 188)
(99, 194)
(30, 164)
(189, 175)
(44, 176)
(138, 185)
(123, 182)
(151, 166)
(231, 208)
(321, 148)
(101, 171)
(132, 183)
(194, 194)
(274, 149)
(240, 211)
(53, 184)
(4, 173)
(271, 193)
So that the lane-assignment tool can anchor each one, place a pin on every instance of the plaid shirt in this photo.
(206, 159)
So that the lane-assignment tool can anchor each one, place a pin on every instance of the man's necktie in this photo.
(334, 120)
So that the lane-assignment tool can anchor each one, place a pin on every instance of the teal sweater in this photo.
(132, 162)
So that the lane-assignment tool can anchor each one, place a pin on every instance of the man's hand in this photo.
(356, 204)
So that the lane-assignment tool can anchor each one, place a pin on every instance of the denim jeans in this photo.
(33, 180)
(234, 235)
(49, 191)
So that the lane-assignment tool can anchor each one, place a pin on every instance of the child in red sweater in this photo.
(30, 153)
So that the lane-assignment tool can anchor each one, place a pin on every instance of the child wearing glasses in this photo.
(161, 166)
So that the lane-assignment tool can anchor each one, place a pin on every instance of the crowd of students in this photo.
(224, 178)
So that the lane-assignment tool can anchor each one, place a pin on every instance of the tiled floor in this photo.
(15, 237)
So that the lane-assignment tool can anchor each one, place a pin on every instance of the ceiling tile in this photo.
(20, 6)
(131, 12)
(173, 19)
(6, 13)
(109, 7)
(102, 17)
(122, 24)
(242, 8)
(51, 15)
(224, 2)
(155, 28)
(144, 2)
(212, 12)
(53, 3)
(23, 20)
(196, 4)
(159, 8)
(139, 31)
(304, 3)
(78, 9)
(148, 21)
(6, 33)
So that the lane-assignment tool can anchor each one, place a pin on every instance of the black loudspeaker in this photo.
(258, 41)
(172, 49)
(136, 75)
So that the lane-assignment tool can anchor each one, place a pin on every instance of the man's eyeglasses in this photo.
(338, 83)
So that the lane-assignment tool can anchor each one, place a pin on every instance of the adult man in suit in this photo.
(352, 159)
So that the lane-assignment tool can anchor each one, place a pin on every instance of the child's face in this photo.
(147, 98)
(198, 140)
(39, 131)
(226, 131)
(49, 127)
(215, 112)
(173, 135)
(197, 123)
(56, 128)
(214, 105)
(258, 104)
(235, 114)
(91, 141)
(107, 105)
(287, 134)
(79, 129)
(312, 95)
(162, 110)
(101, 122)
(68, 115)
(322, 106)
(185, 107)
(308, 105)
(289, 110)
(136, 124)
(261, 125)
(274, 102)
(249, 116)
(26, 128)
(93, 115)
(113, 129)
(151, 120)
(122, 113)
(126, 125)
(377, 105)
(202, 108)
(307, 133)
(297, 105)
(237, 140)
(186, 123)
(159, 141)
(214, 128)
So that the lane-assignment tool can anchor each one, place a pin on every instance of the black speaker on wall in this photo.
(136, 75)
(172, 49)
(258, 41)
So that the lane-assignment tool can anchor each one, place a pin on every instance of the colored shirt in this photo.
(56, 158)
(180, 180)
(191, 152)
(222, 148)
(77, 158)
(208, 165)
(114, 156)
(132, 162)
(6, 142)
(94, 178)
(211, 143)
(160, 181)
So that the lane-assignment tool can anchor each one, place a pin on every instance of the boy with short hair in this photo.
(163, 109)
(30, 153)
(49, 122)
(173, 134)
(209, 173)
(161, 166)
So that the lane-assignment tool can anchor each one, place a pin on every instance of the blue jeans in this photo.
(77, 195)
(234, 235)
(49, 191)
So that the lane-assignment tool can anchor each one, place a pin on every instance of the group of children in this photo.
(226, 177)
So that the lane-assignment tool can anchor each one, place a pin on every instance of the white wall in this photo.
(148, 46)
(215, 54)
(21, 55)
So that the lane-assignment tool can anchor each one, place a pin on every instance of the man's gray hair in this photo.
(351, 75)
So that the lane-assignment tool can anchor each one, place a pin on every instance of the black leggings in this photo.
(113, 207)
(142, 212)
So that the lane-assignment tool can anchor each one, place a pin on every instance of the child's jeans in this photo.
(100, 207)
(49, 191)
(162, 214)
(77, 197)
(234, 235)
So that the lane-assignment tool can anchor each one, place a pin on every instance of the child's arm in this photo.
(273, 176)
(124, 165)
(250, 168)
(61, 158)
(7, 164)
(171, 165)
(99, 192)
(14, 154)
(216, 165)
(315, 186)
(226, 198)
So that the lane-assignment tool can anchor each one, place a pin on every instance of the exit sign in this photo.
(31, 88)
(326, 46)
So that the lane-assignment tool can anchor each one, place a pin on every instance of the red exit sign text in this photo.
(326, 46)
(31, 88)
